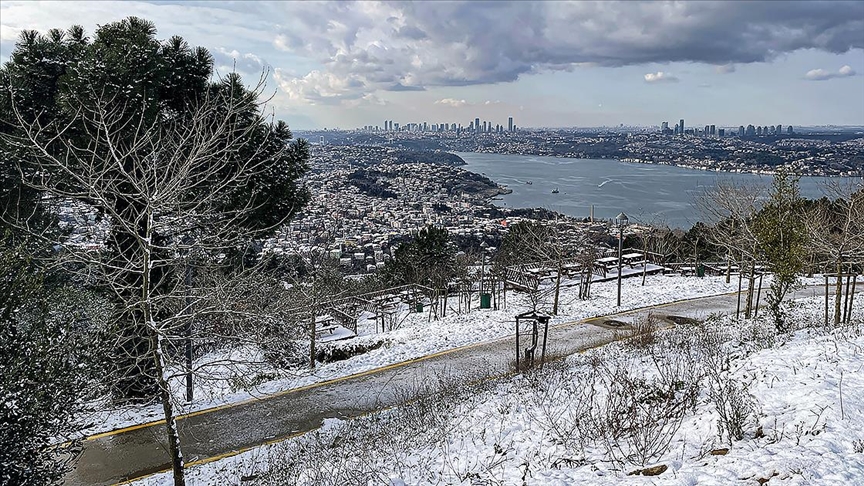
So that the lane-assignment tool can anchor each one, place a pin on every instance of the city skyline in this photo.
(548, 64)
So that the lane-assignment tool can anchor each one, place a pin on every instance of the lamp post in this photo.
(621, 220)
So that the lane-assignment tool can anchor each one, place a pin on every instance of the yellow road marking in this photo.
(381, 369)
(236, 452)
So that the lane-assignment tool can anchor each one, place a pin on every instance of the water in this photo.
(645, 192)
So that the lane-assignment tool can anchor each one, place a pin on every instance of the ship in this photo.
(555, 191)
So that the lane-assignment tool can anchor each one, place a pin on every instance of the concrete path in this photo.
(211, 434)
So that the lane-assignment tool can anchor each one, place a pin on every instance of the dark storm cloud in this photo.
(463, 43)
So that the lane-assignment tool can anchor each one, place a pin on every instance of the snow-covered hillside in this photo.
(715, 404)
(242, 373)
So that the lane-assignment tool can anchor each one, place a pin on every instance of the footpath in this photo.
(212, 434)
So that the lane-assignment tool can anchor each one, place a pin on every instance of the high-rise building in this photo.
(681, 130)
(779, 130)
(707, 131)
(721, 133)
(664, 126)
(510, 124)
(476, 125)
(789, 130)
(741, 130)
(713, 130)
(758, 131)
(751, 131)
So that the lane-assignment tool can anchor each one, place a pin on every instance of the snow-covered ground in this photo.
(243, 374)
(802, 395)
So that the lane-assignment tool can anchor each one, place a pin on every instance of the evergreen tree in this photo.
(49, 349)
(68, 94)
(782, 237)
(429, 259)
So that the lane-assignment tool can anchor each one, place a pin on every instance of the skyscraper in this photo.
(476, 125)
(713, 130)
(741, 130)
(510, 124)
(681, 130)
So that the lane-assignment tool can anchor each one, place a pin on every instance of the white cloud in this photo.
(319, 88)
(452, 102)
(660, 77)
(822, 75)
(374, 47)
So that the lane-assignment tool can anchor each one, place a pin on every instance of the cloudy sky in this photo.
(545, 63)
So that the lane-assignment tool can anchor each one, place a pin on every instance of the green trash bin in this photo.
(485, 301)
(418, 307)
(700, 271)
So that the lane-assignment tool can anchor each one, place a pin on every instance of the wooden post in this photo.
(826, 300)
(852, 296)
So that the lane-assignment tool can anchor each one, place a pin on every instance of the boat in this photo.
(555, 191)
(529, 182)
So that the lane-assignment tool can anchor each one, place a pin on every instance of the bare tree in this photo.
(548, 245)
(169, 189)
(731, 208)
(320, 283)
(836, 232)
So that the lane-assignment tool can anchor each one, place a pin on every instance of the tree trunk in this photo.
(728, 268)
(748, 311)
(159, 365)
(838, 293)
(557, 290)
(758, 295)
(826, 299)
(738, 307)
(644, 268)
(851, 298)
(170, 420)
(846, 298)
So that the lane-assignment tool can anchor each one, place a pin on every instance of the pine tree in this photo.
(127, 81)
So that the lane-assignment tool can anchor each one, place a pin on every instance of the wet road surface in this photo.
(128, 454)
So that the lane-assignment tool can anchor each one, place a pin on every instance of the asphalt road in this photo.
(142, 450)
